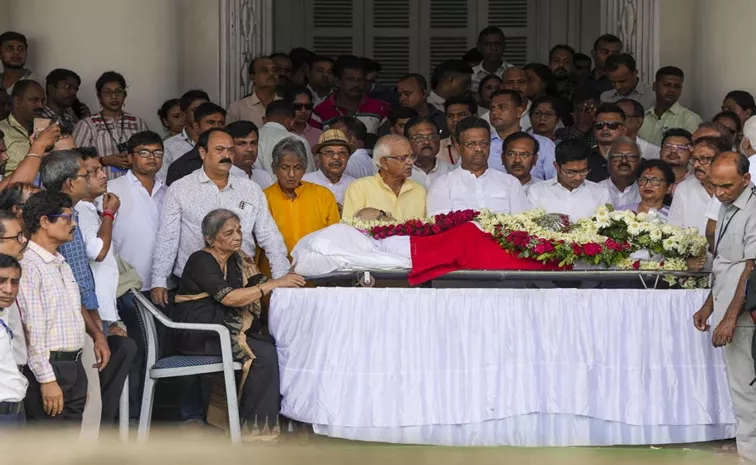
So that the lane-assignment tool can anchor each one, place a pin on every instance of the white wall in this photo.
(677, 35)
(162, 47)
(199, 60)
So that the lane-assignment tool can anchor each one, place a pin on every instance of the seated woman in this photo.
(655, 181)
(221, 285)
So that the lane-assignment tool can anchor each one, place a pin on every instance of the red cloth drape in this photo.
(464, 247)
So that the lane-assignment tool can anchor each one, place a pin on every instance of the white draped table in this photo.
(557, 367)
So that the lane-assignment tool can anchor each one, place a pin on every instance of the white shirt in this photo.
(437, 101)
(105, 272)
(479, 73)
(689, 205)
(137, 222)
(271, 134)
(12, 317)
(461, 190)
(712, 209)
(427, 179)
(648, 150)
(360, 165)
(12, 382)
(338, 190)
(629, 196)
(261, 177)
(173, 148)
(577, 203)
(189, 199)
(525, 123)
(530, 183)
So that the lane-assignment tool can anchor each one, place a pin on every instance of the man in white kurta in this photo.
(734, 254)
(473, 185)
(570, 193)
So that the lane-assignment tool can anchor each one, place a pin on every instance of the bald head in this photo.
(729, 176)
(710, 129)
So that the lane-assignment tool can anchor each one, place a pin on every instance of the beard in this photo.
(12, 66)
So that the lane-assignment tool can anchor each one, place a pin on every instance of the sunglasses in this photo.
(611, 125)
(303, 106)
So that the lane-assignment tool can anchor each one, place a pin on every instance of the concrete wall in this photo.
(199, 60)
(161, 47)
(576, 23)
(677, 36)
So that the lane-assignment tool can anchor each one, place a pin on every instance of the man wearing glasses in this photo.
(570, 193)
(474, 185)
(391, 191)
(608, 126)
(624, 161)
(519, 156)
(675, 151)
(422, 133)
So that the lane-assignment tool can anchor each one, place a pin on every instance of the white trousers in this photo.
(90, 424)
(740, 373)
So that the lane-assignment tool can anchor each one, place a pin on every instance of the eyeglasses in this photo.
(110, 93)
(701, 160)
(611, 125)
(544, 114)
(676, 148)
(484, 144)
(20, 237)
(656, 182)
(575, 173)
(66, 216)
(522, 155)
(147, 153)
(420, 138)
(406, 159)
(303, 106)
(331, 154)
(626, 156)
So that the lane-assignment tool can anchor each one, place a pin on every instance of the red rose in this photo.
(540, 248)
(636, 264)
(577, 250)
(547, 246)
(436, 229)
(592, 249)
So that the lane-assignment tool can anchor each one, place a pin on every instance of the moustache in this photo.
(518, 166)
(335, 164)
(427, 147)
(700, 170)
(623, 165)
(225, 160)
(37, 111)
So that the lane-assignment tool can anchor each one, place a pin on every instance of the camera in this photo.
(122, 147)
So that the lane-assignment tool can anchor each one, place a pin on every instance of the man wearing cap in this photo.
(725, 308)
(333, 150)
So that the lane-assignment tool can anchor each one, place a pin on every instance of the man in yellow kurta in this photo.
(391, 191)
(298, 208)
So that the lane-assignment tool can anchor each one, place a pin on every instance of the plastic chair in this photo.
(184, 365)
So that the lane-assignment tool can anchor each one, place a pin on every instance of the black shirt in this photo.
(597, 164)
(185, 165)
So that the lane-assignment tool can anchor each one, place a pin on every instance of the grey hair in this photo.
(57, 167)
(382, 148)
(624, 140)
(214, 221)
(721, 129)
(289, 145)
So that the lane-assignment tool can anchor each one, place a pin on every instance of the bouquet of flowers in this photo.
(413, 227)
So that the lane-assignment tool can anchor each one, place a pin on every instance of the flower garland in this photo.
(415, 226)
(618, 239)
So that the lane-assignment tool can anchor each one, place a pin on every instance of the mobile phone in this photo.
(40, 124)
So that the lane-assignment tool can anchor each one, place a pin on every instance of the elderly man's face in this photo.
(728, 184)
(424, 140)
(399, 163)
(473, 147)
(333, 160)
(624, 161)
(519, 157)
(289, 171)
(701, 159)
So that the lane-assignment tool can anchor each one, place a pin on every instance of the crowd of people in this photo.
(202, 219)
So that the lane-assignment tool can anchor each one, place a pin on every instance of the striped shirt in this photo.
(50, 309)
(106, 134)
